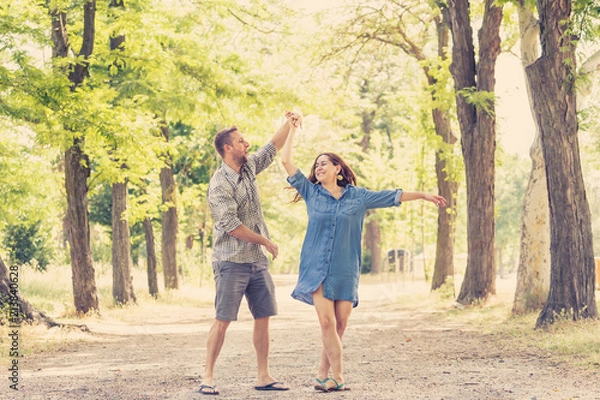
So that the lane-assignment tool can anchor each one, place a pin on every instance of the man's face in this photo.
(239, 148)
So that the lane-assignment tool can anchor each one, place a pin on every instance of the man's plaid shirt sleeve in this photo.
(263, 157)
(223, 206)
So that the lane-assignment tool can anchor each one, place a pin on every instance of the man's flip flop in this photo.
(206, 389)
(272, 386)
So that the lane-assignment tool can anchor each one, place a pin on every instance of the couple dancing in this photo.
(330, 257)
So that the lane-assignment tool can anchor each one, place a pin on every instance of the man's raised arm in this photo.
(279, 138)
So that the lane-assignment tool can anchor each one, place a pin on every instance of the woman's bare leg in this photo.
(333, 317)
(343, 309)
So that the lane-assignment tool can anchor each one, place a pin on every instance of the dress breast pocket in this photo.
(323, 204)
(350, 207)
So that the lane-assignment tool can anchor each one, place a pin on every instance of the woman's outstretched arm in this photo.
(435, 199)
(286, 152)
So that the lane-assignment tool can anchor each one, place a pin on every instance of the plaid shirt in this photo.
(233, 200)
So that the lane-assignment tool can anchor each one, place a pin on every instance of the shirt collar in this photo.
(230, 172)
(326, 192)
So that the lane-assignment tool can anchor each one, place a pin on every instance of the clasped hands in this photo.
(295, 118)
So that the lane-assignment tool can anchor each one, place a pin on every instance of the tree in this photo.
(552, 76)
(372, 234)
(121, 250)
(447, 184)
(474, 83)
(533, 273)
(123, 292)
(77, 163)
(169, 222)
(150, 257)
(391, 24)
(533, 278)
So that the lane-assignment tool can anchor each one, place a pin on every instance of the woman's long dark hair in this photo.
(346, 172)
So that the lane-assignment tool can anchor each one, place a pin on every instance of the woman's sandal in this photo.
(321, 384)
(337, 388)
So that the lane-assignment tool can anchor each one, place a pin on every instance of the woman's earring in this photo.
(340, 177)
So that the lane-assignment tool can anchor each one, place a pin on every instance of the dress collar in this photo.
(326, 192)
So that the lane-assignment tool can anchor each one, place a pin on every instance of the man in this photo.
(239, 264)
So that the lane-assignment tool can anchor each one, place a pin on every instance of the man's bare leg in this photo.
(261, 345)
(216, 338)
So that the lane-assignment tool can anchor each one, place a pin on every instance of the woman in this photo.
(331, 252)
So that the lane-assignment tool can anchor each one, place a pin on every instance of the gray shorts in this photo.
(234, 280)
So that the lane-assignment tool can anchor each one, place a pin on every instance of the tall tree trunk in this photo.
(121, 247)
(552, 81)
(477, 125)
(443, 270)
(84, 280)
(533, 277)
(169, 223)
(533, 273)
(372, 233)
(151, 257)
(77, 164)
(372, 240)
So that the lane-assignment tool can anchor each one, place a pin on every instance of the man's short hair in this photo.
(222, 138)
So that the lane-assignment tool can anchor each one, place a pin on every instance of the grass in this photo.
(574, 342)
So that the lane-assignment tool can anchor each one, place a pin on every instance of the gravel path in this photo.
(391, 351)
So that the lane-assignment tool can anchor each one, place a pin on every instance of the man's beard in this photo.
(242, 159)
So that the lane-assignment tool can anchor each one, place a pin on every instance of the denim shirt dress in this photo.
(331, 252)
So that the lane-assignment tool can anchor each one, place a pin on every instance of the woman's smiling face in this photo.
(325, 170)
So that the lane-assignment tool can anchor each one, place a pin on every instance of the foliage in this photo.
(511, 185)
(480, 99)
(100, 204)
(28, 186)
(26, 244)
(586, 14)
(509, 30)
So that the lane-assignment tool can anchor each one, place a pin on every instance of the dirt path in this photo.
(391, 352)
